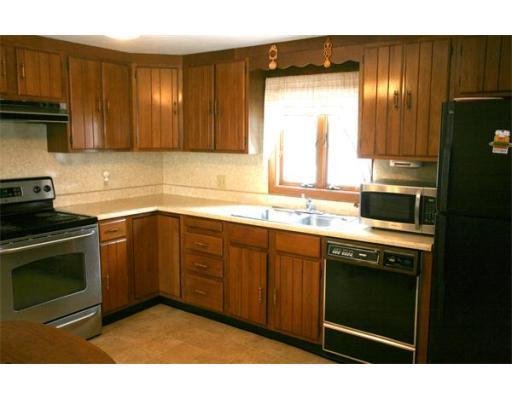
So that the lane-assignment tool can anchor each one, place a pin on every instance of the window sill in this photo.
(321, 194)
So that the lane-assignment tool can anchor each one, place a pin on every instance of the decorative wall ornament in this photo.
(272, 57)
(327, 52)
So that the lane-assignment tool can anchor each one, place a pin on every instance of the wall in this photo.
(78, 178)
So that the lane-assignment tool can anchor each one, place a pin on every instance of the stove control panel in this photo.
(26, 189)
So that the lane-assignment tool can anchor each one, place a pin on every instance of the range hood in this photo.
(29, 111)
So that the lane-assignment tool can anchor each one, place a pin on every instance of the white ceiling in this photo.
(175, 44)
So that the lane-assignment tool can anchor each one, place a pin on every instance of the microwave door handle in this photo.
(31, 246)
(417, 205)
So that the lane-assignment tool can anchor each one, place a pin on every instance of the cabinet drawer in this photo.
(112, 229)
(203, 224)
(204, 265)
(297, 243)
(204, 292)
(203, 243)
(248, 235)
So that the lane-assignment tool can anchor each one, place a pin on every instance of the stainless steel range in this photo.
(49, 260)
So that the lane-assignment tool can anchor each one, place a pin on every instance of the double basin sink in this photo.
(297, 217)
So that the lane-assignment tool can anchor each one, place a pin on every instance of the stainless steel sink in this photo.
(325, 220)
(297, 217)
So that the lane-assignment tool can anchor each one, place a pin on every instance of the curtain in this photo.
(292, 106)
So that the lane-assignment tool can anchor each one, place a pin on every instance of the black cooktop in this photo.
(17, 226)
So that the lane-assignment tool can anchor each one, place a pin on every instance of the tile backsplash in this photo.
(78, 177)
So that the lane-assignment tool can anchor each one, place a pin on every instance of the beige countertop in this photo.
(222, 210)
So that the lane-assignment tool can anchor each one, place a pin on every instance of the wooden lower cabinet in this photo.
(145, 255)
(115, 275)
(247, 284)
(169, 255)
(294, 296)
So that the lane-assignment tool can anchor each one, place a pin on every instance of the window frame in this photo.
(276, 184)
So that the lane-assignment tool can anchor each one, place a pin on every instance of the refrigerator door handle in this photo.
(417, 205)
(445, 155)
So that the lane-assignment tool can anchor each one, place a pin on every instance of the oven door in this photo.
(49, 277)
(391, 207)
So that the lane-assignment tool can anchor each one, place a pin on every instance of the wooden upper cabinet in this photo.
(157, 108)
(198, 104)
(483, 66)
(86, 104)
(116, 98)
(403, 87)
(8, 83)
(215, 107)
(426, 85)
(230, 107)
(39, 74)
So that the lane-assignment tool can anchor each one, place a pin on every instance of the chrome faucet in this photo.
(310, 207)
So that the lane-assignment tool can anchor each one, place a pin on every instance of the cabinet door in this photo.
(114, 275)
(483, 65)
(169, 255)
(295, 296)
(8, 82)
(247, 281)
(381, 102)
(157, 108)
(85, 104)
(39, 74)
(198, 108)
(426, 74)
(230, 106)
(145, 255)
(116, 108)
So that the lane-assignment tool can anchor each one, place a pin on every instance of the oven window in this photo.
(48, 279)
(388, 207)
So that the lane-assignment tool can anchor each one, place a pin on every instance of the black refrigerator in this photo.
(471, 282)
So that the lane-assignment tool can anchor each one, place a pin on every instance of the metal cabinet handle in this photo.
(107, 105)
(108, 281)
(395, 98)
(201, 292)
(98, 105)
(260, 295)
(22, 70)
(174, 108)
(215, 107)
(112, 230)
(275, 296)
(203, 266)
(409, 99)
(201, 244)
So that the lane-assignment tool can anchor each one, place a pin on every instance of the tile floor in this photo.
(162, 334)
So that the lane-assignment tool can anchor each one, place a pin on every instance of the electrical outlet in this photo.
(221, 181)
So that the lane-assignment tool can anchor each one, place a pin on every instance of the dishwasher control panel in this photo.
(392, 259)
(405, 262)
(339, 250)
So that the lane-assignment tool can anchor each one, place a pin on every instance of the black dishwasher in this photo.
(370, 302)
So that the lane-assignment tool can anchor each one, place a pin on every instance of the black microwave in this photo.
(403, 208)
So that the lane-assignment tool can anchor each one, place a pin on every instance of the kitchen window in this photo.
(311, 125)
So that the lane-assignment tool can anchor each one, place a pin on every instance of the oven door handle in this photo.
(417, 205)
(31, 246)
